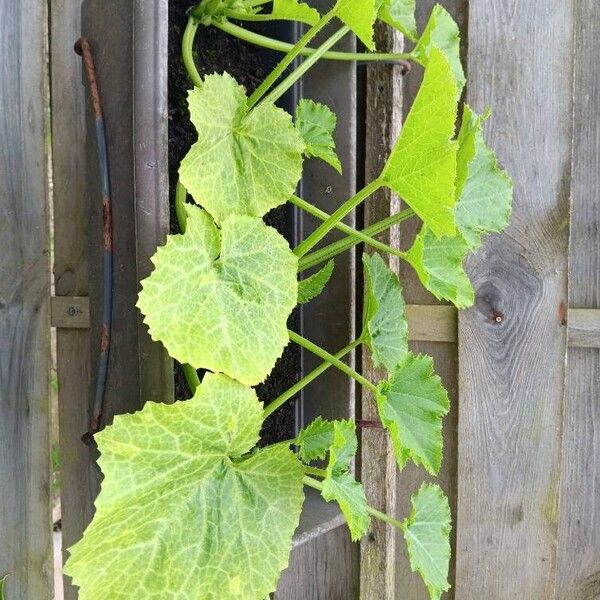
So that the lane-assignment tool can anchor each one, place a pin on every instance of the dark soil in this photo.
(218, 52)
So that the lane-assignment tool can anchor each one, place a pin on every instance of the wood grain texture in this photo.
(432, 323)
(323, 569)
(578, 574)
(79, 477)
(383, 122)
(584, 323)
(70, 312)
(512, 372)
(409, 585)
(25, 515)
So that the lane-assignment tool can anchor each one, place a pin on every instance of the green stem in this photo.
(317, 485)
(242, 16)
(279, 46)
(318, 234)
(358, 236)
(328, 252)
(288, 59)
(304, 66)
(336, 362)
(187, 51)
(298, 387)
(316, 472)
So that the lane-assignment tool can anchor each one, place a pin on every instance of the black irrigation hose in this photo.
(84, 49)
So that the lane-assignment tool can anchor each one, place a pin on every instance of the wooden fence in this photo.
(522, 443)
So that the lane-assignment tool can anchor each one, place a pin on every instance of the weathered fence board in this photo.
(578, 576)
(383, 120)
(78, 476)
(25, 516)
(512, 344)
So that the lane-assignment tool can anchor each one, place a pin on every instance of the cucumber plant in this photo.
(190, 506)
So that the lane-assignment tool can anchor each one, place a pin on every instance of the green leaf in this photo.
(422, 166)
(244, 162)
(360, 16)
(427, 535)
(351, 498)
(294, 10)
(401, 15)
(439, 264)
(219, 299)
(343, 447)
(411, 405)
(441, 32)
(484, 191)
(3, 586)
(385, 328)
(184, 511)
(312, 286)
(316, 123)
(314, 441)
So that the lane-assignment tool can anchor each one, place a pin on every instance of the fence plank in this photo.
(409, 585)
(25, 516)
(579, 525)
(383, 120)
(512, 372)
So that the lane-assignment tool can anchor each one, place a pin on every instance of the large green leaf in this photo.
(439, 264)
(441, 32)
(422, 166)
(316, 123)
(360, 16)
(294, 10)
(219, 299)
(184, 511)
(411, 404)
(244, 162)
(401, 15)
(385, 327)
(484, 190)
(313, 286)
(427, 535)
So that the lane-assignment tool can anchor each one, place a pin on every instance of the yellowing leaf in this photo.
(294, 10)
(411, 405)
(313, 286)
(401, 15)
(360, 16)
(441, 32)
(485, 191)
(422, 166)
(385, 328)
(316, 123)
(185, 511)
(439, 264)
(244, 162)
(427, 535)
(219, 299)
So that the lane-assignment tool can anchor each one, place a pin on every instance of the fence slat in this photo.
(383, 121)
(25, 517)
(511, 373)
(578, 575)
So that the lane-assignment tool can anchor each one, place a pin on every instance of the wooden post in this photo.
(578, 575)
(25, 516)
(512, 344)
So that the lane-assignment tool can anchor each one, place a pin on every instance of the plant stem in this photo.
(318, 234)
(288, 59)
(336, 362)
(358, 236)
(316, 472)
(279, 46)
(295, 389)
(191, 375)
(242, 16)
(187, 51)
(317, 485)
(304, 66)
(328, 252)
